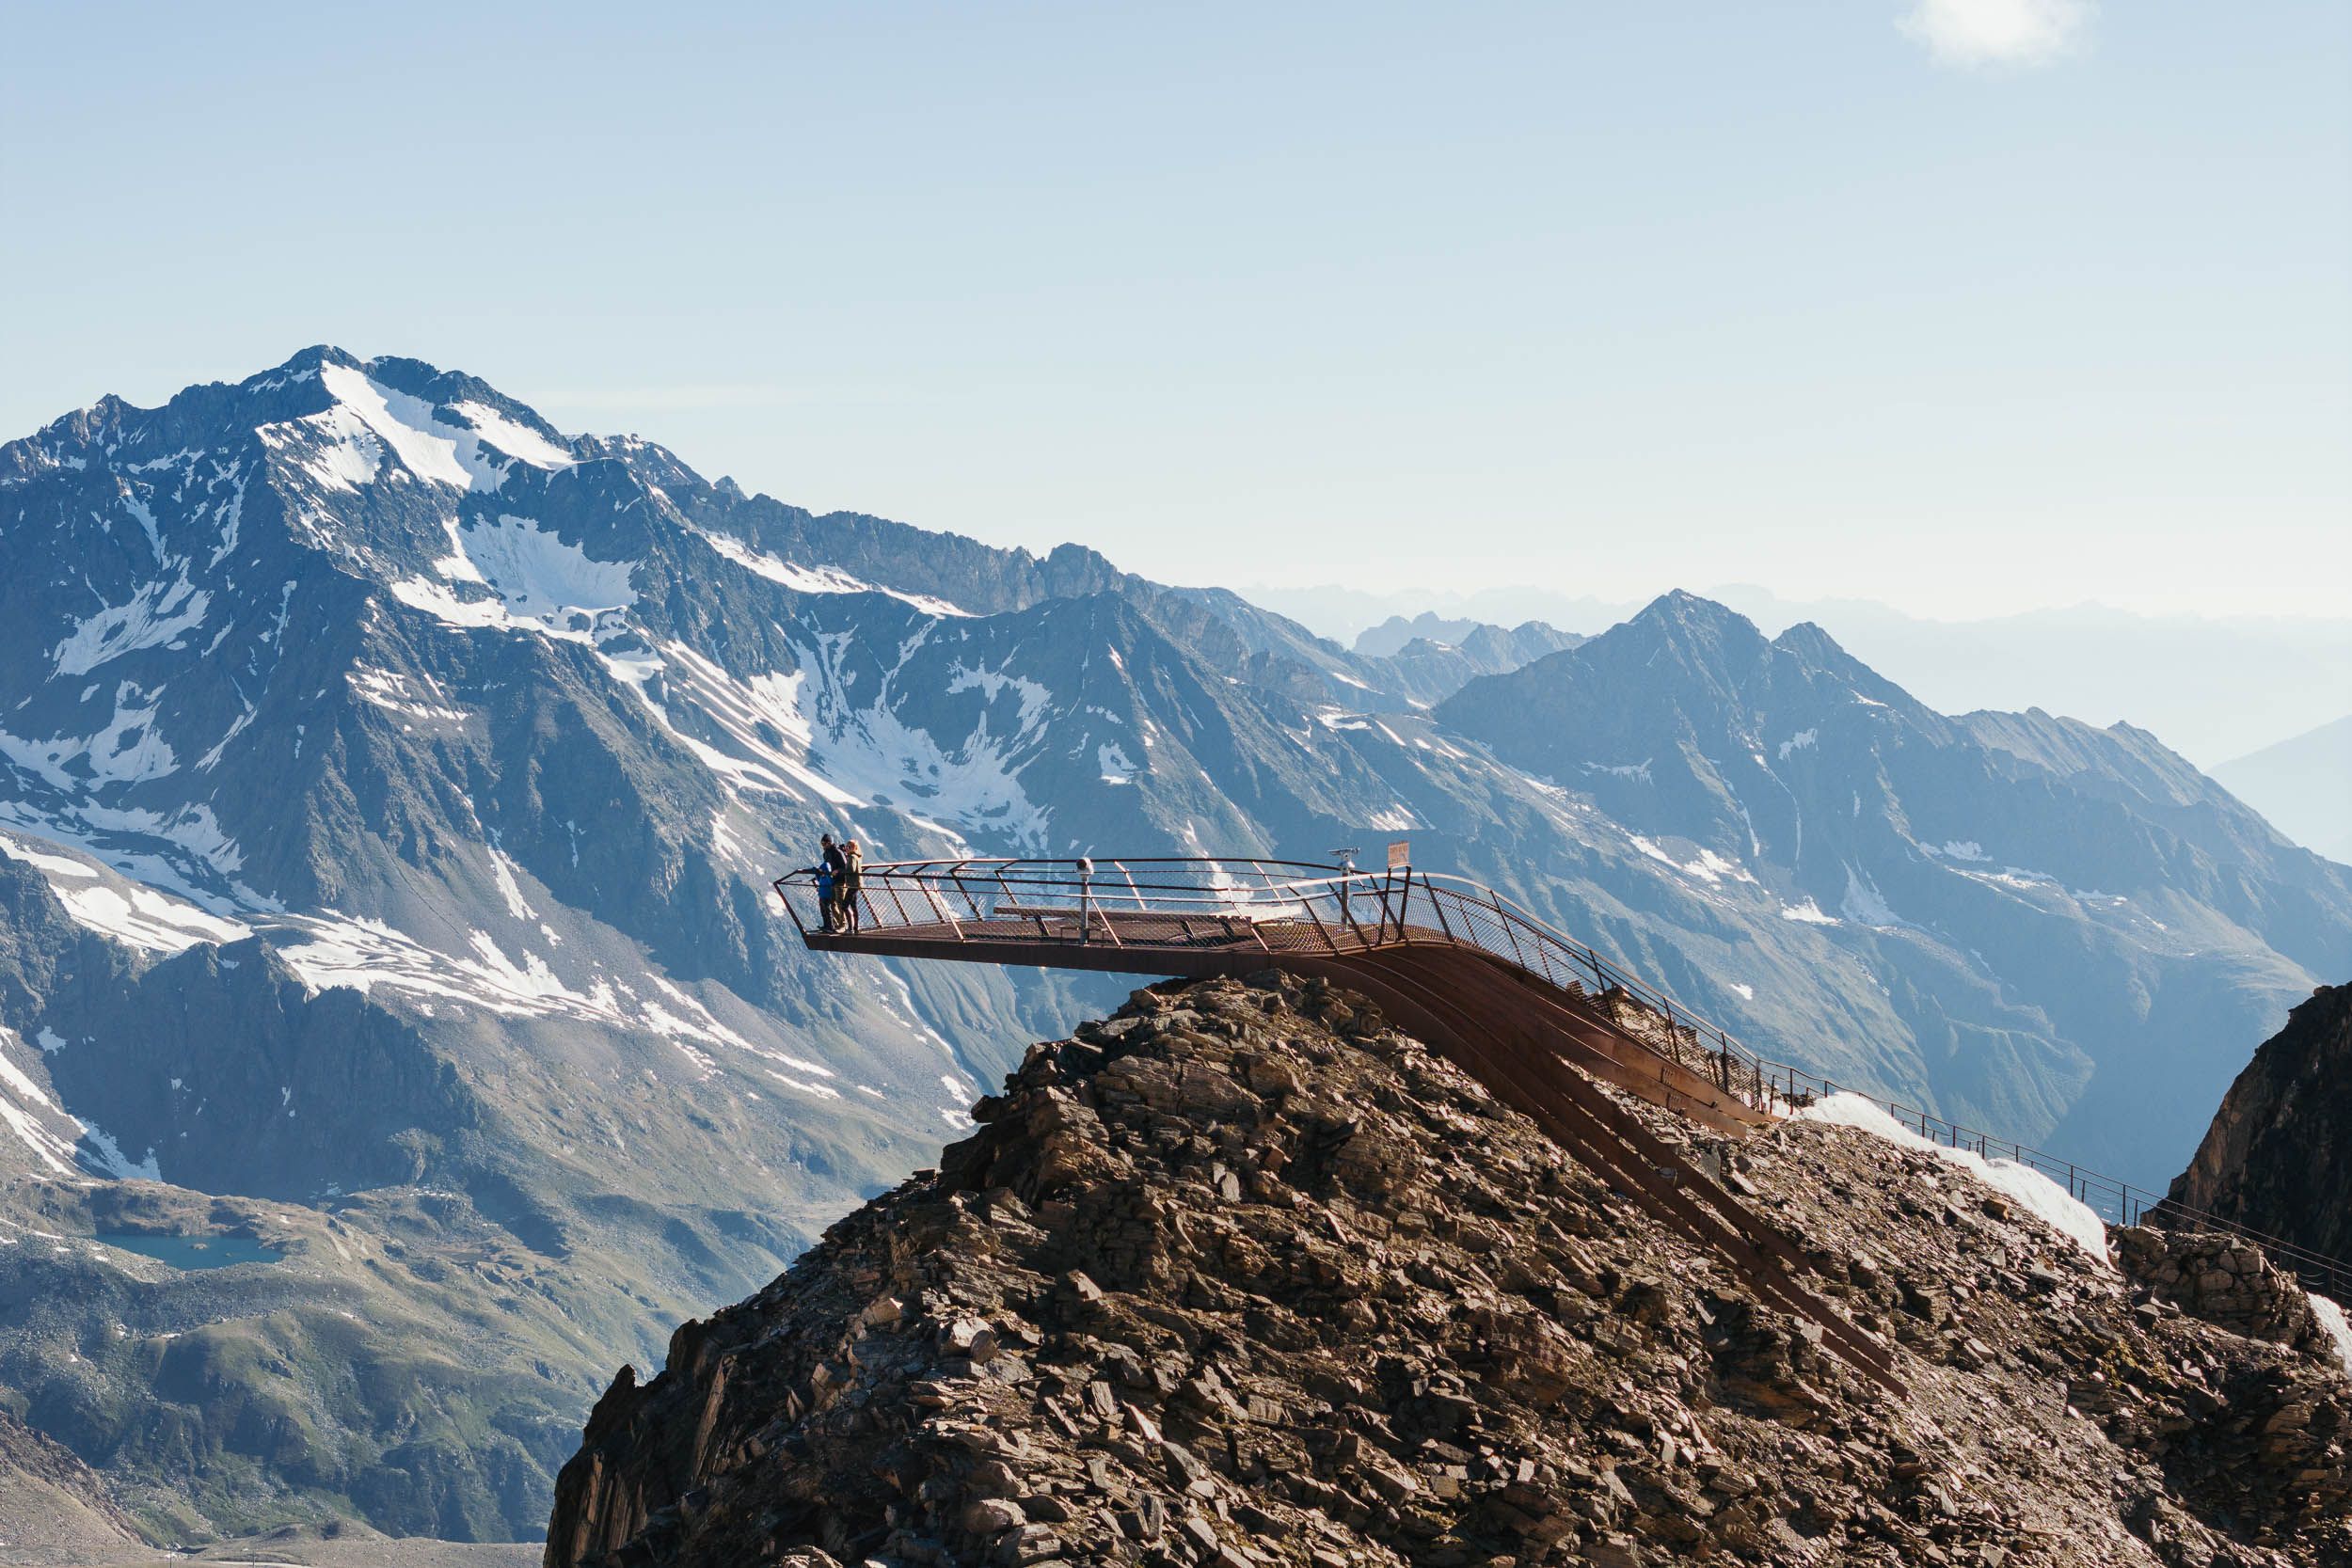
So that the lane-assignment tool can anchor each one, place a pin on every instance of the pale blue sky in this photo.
(1608, 297)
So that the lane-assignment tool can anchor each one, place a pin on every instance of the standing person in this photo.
(852, 873)
(829, 892)
(823, 879)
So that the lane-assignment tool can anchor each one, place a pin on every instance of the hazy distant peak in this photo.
(1705, 631)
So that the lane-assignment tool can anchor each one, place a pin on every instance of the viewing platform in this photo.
(1443, 955)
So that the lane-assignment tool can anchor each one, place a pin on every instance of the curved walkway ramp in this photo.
(1506, 998)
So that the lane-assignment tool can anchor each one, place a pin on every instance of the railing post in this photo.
(1347, 910)
(1519, 954)
(1330, 944)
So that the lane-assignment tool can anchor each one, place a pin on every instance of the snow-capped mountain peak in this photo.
(465, 444)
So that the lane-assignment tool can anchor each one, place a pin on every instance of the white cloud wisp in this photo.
(1999, 32)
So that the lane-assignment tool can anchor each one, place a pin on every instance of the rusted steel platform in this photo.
(1202, 916)
(1624, 1042)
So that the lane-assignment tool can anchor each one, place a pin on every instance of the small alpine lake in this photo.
(195, 1252)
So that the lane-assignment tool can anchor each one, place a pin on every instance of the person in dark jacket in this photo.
(829, 866)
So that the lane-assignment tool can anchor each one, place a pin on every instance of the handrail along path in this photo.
(1200, 915)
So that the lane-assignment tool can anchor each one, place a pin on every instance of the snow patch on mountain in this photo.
(391, 690)
(107, 1155)
(134, 913)
(144, 918)
(516, 440)
(180, 849)
(2332, 1318)
(2023, 1185)
(542, 584)
(127, 751)
(51, 866)
(154, 616)
(760, 718)
(1863, 903)
(28, 1112)
(1708, 865)
(345, 455)
(815, 579)
(369, 418)
(1808, 914)
(860, 754)
(503, 869)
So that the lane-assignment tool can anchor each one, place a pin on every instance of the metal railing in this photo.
(1281, 907)
(1293, 907)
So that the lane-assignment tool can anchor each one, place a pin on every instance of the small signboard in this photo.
(1400, 854)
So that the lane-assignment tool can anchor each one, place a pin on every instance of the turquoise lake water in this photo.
(196, 1252)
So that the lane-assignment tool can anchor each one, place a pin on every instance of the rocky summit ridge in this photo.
(1244, 1276)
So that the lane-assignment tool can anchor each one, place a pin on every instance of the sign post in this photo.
(1400, 859)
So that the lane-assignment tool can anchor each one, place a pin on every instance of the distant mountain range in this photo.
(2044, 907)
(389, 785)
(2214, 689)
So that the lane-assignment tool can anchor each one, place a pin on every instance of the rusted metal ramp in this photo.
(1511, 1001)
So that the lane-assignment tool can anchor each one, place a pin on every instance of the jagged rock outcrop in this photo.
(2278, 1158)
(2224, 1279)
(1243, 1277)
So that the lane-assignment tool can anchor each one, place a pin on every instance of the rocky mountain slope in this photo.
(389, 787)
(2278, 1157)
(54, 1508)
(1242, 1276)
